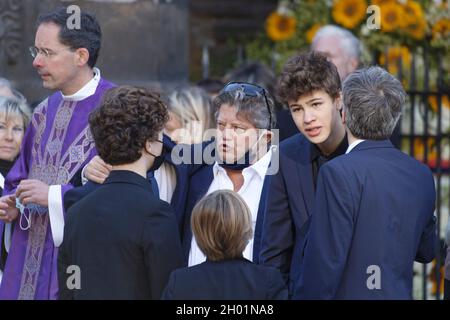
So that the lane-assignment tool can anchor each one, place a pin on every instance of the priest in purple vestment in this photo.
(57, 144)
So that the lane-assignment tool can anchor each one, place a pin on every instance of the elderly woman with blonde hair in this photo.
(190, 116)
(222, 224)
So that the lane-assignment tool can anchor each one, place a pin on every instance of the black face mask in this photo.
(240, 164)
(159, 160)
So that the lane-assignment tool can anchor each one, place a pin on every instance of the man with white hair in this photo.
(7, 90)
(340, 46)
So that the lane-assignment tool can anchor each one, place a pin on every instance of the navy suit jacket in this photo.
(198, 187)
(373, 217)
(289, 208)
(124, 240)
(179, 195)
(237, 279)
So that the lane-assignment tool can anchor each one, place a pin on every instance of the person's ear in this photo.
(343, 115)
(82, 56)
(353, 65)
(148, 146)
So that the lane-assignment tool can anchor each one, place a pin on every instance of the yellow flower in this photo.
(280, 27)
(417, 29)
(393, 54)
(419, 150)
(433, 101)
(414, 20)
(413, 11)
(441, 29)
(380, 2)
(349, 13)
(391, 16)
(312, 32)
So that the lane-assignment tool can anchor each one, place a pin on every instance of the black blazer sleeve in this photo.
(162, 247)
(278, 229)
(64, 292)
(277, 287)
(428, 242)
(76, 194)
(168, 291)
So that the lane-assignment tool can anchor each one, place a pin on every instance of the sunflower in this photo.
(393, 55)
(419, 149)
(380, 2)
(413, 11)
(441, 29)
(391, 16)
(280, 27)
(433, 101)
(349, 13)
(312, 32)
(416, 30)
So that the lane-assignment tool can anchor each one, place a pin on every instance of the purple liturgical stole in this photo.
(56, 145)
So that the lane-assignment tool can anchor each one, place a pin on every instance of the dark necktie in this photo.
(151, 178)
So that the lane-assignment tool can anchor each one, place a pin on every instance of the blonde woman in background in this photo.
(190, 116)
(14, 118)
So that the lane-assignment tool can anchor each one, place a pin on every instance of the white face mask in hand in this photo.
(21, 208)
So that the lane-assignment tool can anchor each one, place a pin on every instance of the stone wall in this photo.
(145, 42)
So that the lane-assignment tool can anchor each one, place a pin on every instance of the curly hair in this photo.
(126, 118)
(306, 73)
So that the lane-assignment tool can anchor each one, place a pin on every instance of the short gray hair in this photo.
(349, 43)
(373, 101)
(5, 83)
(253, 108)
(17, 107)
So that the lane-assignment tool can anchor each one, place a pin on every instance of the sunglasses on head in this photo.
(251, 90)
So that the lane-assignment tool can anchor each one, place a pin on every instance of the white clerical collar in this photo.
(88, 89)
(354, 144)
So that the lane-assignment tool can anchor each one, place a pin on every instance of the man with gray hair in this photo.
(340, 46)
(7, 90)
(374, 205)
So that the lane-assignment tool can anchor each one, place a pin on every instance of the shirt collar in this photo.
(340, 150)
(354, 144)
(86, 91)
(260, 166)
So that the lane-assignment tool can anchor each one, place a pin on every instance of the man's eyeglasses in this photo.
(34, 51)
(251, 90)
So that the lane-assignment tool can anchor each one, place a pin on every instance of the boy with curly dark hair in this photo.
(122, 237)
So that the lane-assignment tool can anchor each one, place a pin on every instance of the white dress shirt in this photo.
(250, 191)
(166, 177)
(353, 144)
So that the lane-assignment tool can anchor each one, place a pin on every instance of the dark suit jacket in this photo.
(289, 208)
(237, 279)
(124, 240)
(198, 187)
(179, 195)
(373, 217)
